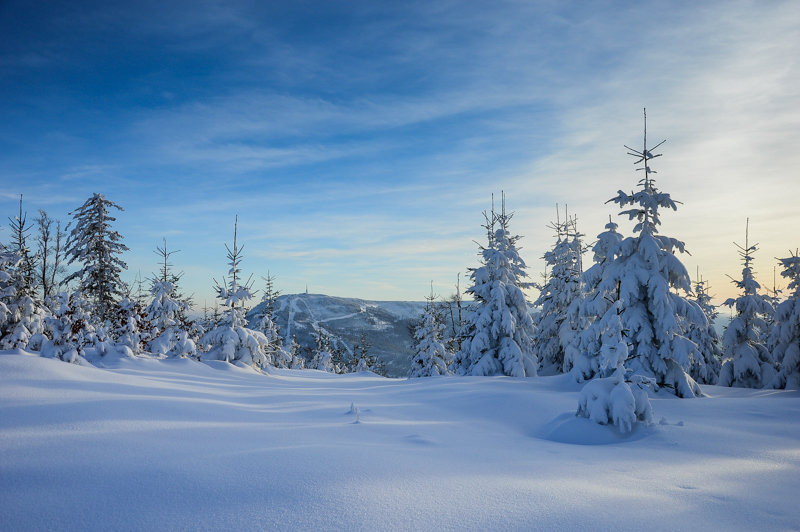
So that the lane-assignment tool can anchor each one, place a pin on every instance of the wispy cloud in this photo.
(370, 146)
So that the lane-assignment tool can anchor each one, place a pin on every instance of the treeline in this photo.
(631, 322)
(92, 311)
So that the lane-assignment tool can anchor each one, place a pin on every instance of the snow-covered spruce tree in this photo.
(322, 358)
(559, 322)
(96, 246)
(71, 328)
(575, 323)
(705, 368)
(24, 312)
(26, 269)
(362, 360)
(339, 356)
(746, 361)
(786, 331)
(21, 318)
(166, 313)
(496, 339)
(546, 344)
(130, 325)
(25, 324)
(264, 322)
(644, 273)
(430, 356)
(8, 264)
(162, 315)
(295, 352)
(581, 357)
(231, 340)
(619, 400)
(774, 298)
(211, 317)
(329, 352)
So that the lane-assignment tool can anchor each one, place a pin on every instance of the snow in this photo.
(174, 444)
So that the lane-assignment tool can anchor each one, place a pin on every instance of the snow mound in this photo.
(567, 428)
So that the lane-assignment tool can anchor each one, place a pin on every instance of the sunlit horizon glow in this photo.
(359, 143)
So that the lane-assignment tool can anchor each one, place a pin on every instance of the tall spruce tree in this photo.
(646, 275)
(97, 247)
(497, 332)
(559, 322)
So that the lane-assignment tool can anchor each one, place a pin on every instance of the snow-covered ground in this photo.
(145, 444)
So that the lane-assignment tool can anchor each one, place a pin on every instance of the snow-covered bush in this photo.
(613, 399)
(747, 362)
(233, 344)
(497, 332)
(184, 346)
(786, 331)
(25, 324)
(610, 401)
(71, 328)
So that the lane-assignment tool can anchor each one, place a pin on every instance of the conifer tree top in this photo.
(649, 199)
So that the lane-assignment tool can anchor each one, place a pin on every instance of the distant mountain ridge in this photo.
(383, 323)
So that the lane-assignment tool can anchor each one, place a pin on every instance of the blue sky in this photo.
(359, 142)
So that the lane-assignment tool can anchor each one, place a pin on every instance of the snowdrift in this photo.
(175, 444)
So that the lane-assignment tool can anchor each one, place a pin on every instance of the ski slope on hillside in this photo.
(145, 444)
